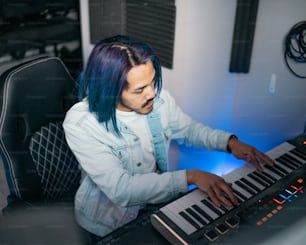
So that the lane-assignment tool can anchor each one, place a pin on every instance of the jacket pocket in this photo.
(122, 154)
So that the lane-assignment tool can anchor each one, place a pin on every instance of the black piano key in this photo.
(286, 163)
(202, 212)
(196, 216)
(245, 187)
(271, 173)
(189, 220)
(254, 187)
(263, 177)
(274, 170)
(292, 159)
(241, 190)
(259, 186)
(259, 180)
(241, 198)
(298, 153)
(266, 175)
(211, 206)
(224, 208)
(276, 165)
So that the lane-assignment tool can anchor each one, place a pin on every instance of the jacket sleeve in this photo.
(188, 131)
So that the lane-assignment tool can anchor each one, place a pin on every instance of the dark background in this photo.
(41, 27)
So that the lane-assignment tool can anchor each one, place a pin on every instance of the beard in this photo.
(144, 109)
(147, 102)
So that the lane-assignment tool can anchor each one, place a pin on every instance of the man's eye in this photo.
(138, 91)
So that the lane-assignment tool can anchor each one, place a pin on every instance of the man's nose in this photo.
(150, 92)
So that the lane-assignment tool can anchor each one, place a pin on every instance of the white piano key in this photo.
(171, 211)
(207, 210)
(263, 176)
(245, 169)
(245, 187)
(279, 150)
(195, 214)
(259, 179)
(289, 164)
(300, 155)
(254, 182)
(196, 197)
(202, 213)
(232, 176)
(200, 195)
(212, 206)
(276, 176)
(186, 202)
(239, 173)
(192, 220)
(297, 157)
(289, 170)
(242, 191)
(182, 204)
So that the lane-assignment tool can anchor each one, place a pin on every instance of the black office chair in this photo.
(41, 171)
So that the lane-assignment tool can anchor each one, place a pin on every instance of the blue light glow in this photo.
(216, 162)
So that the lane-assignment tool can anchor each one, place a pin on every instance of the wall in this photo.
(259, 115)
(240, 103)
(203, 42)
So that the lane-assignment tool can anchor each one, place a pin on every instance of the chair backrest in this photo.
(34, 99)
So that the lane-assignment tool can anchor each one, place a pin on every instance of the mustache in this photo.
(147, 102)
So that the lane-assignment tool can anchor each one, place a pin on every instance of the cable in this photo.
(295, 45)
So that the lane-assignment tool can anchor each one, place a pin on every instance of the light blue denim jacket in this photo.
(116, 183)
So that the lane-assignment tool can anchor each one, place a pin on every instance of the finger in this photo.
(222, 198)
(255, 161)
(264, 158)
(212, 195)
(229, 195)
(225, 195)
(250, 157)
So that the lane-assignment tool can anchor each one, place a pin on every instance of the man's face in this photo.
(139, 93)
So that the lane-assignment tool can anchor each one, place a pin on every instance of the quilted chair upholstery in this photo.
(54, 162)
(41, 171)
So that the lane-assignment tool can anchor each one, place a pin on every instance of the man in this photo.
(120, 133)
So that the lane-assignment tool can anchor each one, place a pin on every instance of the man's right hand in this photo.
(219, 191)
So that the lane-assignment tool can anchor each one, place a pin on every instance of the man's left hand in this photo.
(249, 153)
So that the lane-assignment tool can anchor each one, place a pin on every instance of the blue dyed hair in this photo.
(105, 75)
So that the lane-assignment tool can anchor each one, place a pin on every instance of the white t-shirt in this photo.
(138, 124)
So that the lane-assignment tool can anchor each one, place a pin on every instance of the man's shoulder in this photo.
(79, 107)
(79, 111)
